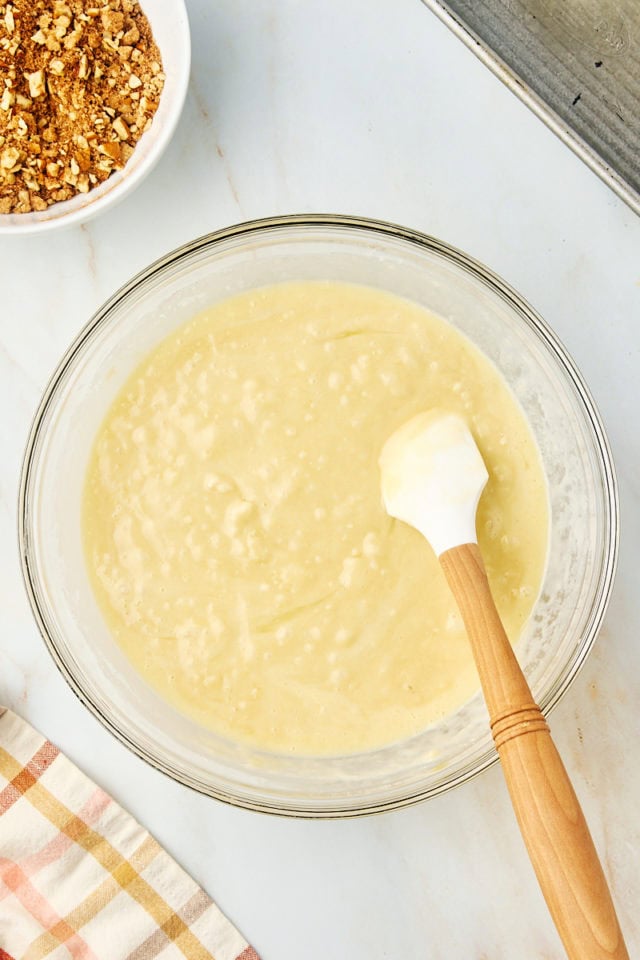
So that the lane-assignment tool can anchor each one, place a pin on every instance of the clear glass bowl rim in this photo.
(354, 225)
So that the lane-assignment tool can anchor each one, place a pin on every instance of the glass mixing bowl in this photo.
(577, 461)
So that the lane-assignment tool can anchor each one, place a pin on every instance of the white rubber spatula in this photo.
(432, 478)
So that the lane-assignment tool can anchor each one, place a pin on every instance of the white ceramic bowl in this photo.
(170, 26)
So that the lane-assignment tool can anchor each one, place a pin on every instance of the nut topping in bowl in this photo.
(90, 94)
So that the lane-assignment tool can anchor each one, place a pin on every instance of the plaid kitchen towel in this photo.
(80, 879)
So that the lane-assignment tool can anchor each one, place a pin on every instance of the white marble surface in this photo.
(354, 106)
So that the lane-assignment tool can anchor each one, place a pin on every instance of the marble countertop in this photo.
(360, 107)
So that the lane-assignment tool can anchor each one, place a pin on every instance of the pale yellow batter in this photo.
(235, 533)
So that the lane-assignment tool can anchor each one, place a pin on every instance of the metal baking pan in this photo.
(576, 63)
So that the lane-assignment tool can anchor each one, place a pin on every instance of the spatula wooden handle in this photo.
(548, 812)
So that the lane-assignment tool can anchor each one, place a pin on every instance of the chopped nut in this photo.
(7, 99)
(112, 21)
(10, 158)
(111, 149)
(24, 202)
(134, 82)
(62, 24)
(56, 67)
(132, 35)
(9, 22)
(71, 40)
(36, 83)
(121, 128)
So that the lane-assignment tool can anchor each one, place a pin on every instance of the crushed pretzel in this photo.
(79, 85)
